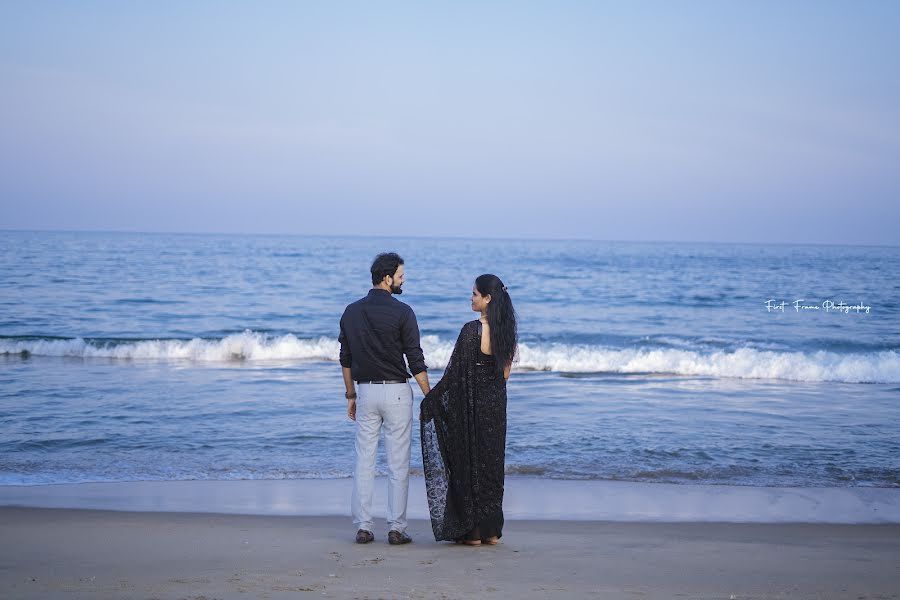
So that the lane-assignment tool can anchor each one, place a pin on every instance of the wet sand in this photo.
(77, 553)
(524, 499)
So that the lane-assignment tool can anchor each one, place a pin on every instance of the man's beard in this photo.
(395, 289)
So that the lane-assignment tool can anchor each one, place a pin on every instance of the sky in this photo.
(761, 122)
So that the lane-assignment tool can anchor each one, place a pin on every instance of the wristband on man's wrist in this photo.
(350, 395)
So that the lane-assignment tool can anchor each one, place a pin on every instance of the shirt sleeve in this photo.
(412, 346)
(345, 356)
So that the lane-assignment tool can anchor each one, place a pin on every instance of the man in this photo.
(376, 331)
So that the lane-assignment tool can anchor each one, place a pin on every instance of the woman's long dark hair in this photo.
(501, 319)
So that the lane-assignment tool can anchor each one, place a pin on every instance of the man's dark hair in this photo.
(385, 264)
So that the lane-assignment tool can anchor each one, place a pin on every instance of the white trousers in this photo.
(388, 405)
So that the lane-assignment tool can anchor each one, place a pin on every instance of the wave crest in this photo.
(248, 345)
(744, 363)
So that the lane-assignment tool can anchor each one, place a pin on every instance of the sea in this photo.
(163, 357)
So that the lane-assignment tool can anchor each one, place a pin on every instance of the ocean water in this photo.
(127, 357)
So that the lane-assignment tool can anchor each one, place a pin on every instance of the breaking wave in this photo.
(745, 363)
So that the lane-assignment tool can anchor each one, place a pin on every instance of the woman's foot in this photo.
(491, 541)
(472, 542)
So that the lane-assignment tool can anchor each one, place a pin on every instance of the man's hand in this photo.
(351, 409)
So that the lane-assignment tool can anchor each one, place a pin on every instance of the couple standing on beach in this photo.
(462, 419)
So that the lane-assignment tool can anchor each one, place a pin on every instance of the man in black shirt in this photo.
(376, 332)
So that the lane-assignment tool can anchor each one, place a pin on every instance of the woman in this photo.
(463, 421)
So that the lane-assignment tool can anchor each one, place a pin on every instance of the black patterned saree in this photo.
(463, 426)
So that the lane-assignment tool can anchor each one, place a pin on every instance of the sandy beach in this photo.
(72, 553)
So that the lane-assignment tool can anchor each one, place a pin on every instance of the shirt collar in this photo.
(378, 291)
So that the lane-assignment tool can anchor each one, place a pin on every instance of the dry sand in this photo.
(71, 553)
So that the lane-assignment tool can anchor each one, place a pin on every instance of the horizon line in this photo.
(438, 237)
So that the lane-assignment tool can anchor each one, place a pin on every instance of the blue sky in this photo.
(723, 121)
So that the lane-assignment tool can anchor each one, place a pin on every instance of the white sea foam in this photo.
(749, 363)
(745, 363)
(243, 346)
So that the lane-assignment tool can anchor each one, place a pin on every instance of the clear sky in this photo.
(722, 121)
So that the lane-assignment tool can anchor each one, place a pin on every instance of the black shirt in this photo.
(376, 331)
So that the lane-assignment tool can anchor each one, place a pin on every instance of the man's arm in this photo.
(409, 331)
(422, 380)
(346, 356)
(346, 362)
(351, 391)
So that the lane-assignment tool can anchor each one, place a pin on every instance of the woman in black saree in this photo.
(463, 423)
